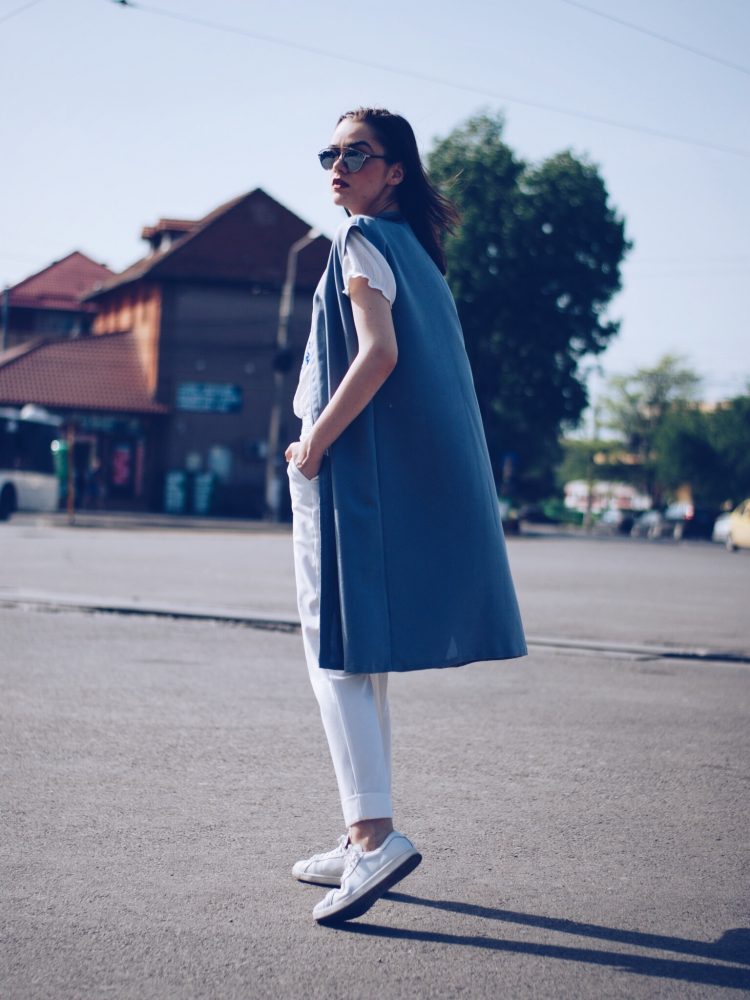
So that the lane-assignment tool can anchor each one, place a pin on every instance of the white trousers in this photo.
(354, 707)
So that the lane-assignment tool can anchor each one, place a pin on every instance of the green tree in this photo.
(709, 451)
(592, 459)
(638, 405)
(729, 428)
(532, 268)
(683, 454)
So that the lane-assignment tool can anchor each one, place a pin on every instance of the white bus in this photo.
(28, 480)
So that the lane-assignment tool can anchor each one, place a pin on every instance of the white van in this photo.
(28, 480)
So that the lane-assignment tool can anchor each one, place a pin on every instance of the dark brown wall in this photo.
(224, 334)
(26, 324)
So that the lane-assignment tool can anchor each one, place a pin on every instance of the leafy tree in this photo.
(729, 430)
(638, 406)
(638, 403)
(532, 268)
(683, 453)
(710, 451)
(593, 459)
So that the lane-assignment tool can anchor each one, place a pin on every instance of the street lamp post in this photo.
(588, 517)
(5, 328)
(286, 306)
(70, 493)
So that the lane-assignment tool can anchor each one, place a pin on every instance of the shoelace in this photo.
(343, 844)
(353, 854)
(339, 849)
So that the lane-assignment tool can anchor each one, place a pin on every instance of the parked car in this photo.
(509, 517)
(535, 513)
(549, 511)
(721, 528)
(615, 522)
(649, 524)
(688, 520)
(678, 520)
(739, 527)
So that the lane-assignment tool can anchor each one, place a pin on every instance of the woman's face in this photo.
(372, 189)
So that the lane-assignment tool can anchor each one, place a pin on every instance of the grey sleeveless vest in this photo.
(414, 572)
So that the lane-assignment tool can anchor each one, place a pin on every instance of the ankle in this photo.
(369, 834)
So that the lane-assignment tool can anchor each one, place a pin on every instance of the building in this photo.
(97, 386)
(173, 387)
(48, 303)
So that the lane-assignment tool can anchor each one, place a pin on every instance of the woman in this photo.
(399, 553)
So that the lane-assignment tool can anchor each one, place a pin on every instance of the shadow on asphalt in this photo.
(732, 946)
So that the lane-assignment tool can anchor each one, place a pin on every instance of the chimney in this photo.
(165, 233)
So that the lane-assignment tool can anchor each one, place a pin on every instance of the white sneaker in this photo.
(366, 877)
(324, 869)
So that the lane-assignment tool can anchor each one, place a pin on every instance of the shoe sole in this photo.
(356, 907)
(330, 880)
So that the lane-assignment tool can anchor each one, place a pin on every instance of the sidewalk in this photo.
(140, 520)
(136, 520)
(591, 593)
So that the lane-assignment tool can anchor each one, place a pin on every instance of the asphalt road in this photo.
(583, 817)
(691, 594)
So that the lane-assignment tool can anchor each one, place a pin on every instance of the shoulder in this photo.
(361, 258)
(366, 226)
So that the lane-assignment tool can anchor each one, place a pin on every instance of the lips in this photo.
(337, 184)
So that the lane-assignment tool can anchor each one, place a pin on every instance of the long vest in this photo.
(414, 572)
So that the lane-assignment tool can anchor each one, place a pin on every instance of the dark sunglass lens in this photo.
(327, 158)
(354, 159)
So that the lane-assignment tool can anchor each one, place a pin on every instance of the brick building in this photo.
(173, 386)
(98, 387)
(49, 303)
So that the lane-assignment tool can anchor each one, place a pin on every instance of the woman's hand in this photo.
(304, 458)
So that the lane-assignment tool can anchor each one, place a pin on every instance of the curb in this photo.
(271, 621)
(121, 606)
(151, 522)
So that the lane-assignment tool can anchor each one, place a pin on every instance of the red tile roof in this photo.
(89, 373)
(61, 284)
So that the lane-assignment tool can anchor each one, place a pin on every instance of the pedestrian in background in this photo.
(398, 547)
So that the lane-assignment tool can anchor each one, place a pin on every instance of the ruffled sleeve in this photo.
(363, 260)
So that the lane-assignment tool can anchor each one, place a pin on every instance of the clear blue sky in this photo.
(113, 116)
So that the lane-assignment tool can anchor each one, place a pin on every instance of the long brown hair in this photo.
(429, 213)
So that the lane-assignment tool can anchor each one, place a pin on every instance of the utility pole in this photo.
(5, 334)
(286, 306)
(588, 518)
(70, 494)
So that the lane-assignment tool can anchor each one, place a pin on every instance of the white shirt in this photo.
(361, 260)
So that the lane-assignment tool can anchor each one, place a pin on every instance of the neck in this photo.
(385, 203)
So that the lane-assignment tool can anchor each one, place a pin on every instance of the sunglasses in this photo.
(353, 159)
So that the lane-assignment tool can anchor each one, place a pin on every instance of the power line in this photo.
(425, 78)
(18, 10)
(662, 38)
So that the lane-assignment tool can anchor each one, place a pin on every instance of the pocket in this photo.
(294, 469)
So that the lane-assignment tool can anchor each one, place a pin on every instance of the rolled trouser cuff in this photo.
(369, 805)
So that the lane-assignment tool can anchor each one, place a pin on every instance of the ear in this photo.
(396, 174)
